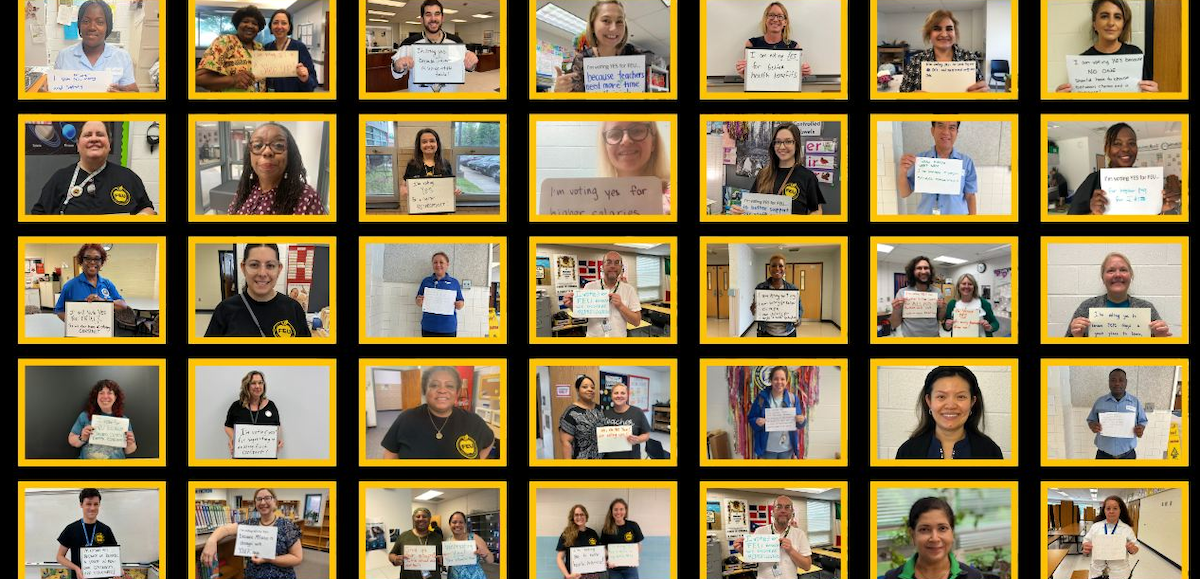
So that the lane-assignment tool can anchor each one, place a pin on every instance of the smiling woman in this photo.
(226, 64)
(95, 22)
(1121, 149)
(274, 180)
(259, 310)
(94, 185)
(439, 429)
(941, 31)
(931, 527)
(950, 410)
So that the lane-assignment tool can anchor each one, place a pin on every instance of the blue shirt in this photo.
(97, 451)
(439, 323)
(77, 289)
(1127, 403)
(113, 58)
(947, 204)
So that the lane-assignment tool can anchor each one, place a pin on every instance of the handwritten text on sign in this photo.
(953, 76)
(1105, 73)
(458, 553)
(760, 549)
(780, 419)
(255, 441)
(941, 176)
(433, 195)
(613, 438)
(966, 324)
(590, 303)
(100, 561)
(615, 73)
(1133, 190)
(89, 319)
(1109, 547)
(623, 554)
(274, 63)
(80, 80)
(773, 70)
(766, 204)
(602, 196)
(1119, 322)
(109, 430)
(776, 305)
(438, 63)
(420, 557)
(439, 301)
(1117, 424)
(920, 305)
(588, 559)
(255, 541)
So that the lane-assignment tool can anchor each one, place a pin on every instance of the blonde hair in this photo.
(590, 32)
(244, 395)
(1121, 256)
(787, 27)
(934, 19)
(659, 164)
(956, 296)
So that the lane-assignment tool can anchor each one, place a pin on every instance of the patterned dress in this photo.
(289, 533)
(259, 202)
(228, 56)
(467, 571)
(581, 424)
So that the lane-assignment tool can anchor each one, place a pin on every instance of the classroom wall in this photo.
(1001, 296)
(132, 513)
(39, 168)
(886, 273)
(815, 24)
(572, 148)
(907, 27)
(395, 271)
(831, 291)
(650, 507)
(1152, 385)
(1077, 158)
(989, 144)
(799, 511)
(393, 508)
(1073, 275)
(900, 389)
(660, 391)
(1072, 34)
(998, 24)
(720, 174)
(132, 267)
(301, 393)
(824, 419)
(311, 13)
(1160, 523)
(127, 22)
(55, 395)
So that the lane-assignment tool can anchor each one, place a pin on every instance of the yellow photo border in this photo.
(1014, 198)
(159, 241)
(706, 363)
(534, 119)
(22, 175)
(281, 240)
(194, 363)
(24, 364)
(365, 216)
(703, 283)
(1010, 363)
(843, 120)
(1014, 19)
(1181, 118)
(535, 363)
(1182, 338)
(1184, 459)
(585, 241)
(194, 216)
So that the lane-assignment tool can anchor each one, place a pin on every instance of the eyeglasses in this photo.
(783, 507)
(257, 147)
(256, 265)
(785, 143)
(92, 259)
(265, 499)
(637, 133)
(776, 17)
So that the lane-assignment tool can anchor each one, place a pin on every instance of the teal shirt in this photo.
(97, 451)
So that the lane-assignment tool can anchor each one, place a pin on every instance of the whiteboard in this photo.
(815, 24)
(132, 514)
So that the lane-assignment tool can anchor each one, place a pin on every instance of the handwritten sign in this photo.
(255, 541)
(255, 441)
(760, 549)
(780, 419)
(820, 146)
(953, 76)
(1105, 72)
(108, 430)
(623, 554)
(80, 80)
(89, 319)
(766, 204)
(776, 305)
(432, 195)
(920, 305)
(1119, 322)
(940, 176)
(613, 438)
(1117, 424)
(588, 559)
(819, 161)
(458, 553)
(591, 303)
(1133, 190)
(773, 70)
(100, 561)
(615, 73)
(274, 63)
(439, 63)
(601, 196)
(420, 557)
(439, 301)
(966, 323)
(1108, 547)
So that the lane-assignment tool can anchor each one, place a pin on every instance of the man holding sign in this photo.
(89, 287)
(919, 321)
(793, 549)
(84, 533)
(624, 306)
(776, 267)
(775, 419)
(1114, 444)
(941, 193)
(431, 20)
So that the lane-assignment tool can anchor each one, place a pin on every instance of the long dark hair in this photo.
(118, 407)
(766, 176)
(974, 419)
(290, 188)
(910, 270)
(417, 163)
(1124, 516)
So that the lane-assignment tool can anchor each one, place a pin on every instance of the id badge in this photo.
(607, 326)
(775, 572)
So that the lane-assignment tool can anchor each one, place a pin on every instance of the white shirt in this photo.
(615, 323)
(1104, 527)
(787, 569)
(406, 50)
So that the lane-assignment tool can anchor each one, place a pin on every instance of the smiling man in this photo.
(432, 33)
(1119, 444)
(945, 134)
(95, 20)
(624, 306)
(920, 275)
(88, 531)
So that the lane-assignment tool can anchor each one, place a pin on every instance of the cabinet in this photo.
(316, 536)
(662, 418)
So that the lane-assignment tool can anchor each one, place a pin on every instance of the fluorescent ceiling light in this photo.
(457, 20)
(637, 245)
(482, 15)
(429, 495)
(395, 3)
(666, 3)
(449, 11)
(807, 490)
(883, 248)
(381, 13)
(376, 20)
(555, 16)
(412, 22)
(949, 260)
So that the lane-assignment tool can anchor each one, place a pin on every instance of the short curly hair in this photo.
(96, 246)
(249, 12)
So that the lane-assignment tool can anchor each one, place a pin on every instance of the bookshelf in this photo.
(316, 537)
(661, 417)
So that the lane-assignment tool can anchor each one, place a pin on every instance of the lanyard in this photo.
(76, 190)
(615, 287)
(85, 535)
(253, 317)
(1114, 531)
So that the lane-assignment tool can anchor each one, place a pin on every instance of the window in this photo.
(984, 513)
(477, 159)
(380, 134)
(379, 176)
(649, 277)
(820, 522)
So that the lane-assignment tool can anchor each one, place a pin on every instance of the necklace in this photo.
(438, 434)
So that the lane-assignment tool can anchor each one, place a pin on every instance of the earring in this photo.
(285, 175)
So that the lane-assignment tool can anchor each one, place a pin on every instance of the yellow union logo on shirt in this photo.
(791, 190)
(592, 541)
(467, 447)
(99, 539)
(119, 195)
(283, 329)
(628, 536)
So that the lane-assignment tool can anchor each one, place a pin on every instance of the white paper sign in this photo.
(776, 305)
(66, 14)
(919, 305)
(591, 303)
(780, 419)
(1133, 190)
(588, 559)
(1108, 547)
(614, 438)
(615, 73)
(967, 323)
(438, 63)
(458, 553)
(80, 80)
(953, 76)
(601, 196)
(89, 319)
(766, 204)
(1105, 73)
(430, 195)
(773, 70)
(274, 63)
(760, 549)
(548, 63)
(439, 301)
(1118, 424)
(255, 441)
(623, 554)
(255, 541)
(1119, 322)
(936, 175)
(109, 430)
(100, 562)
(420, 557)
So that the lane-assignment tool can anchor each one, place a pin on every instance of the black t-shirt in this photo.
(585, 538)
(73, 537)
(118, 190)
(417, 169)
(1081, 203)
(279, 317)
(1147, 71)
(630, 532)
(761, 42)
(633, 417)
(413, 435)
(802, 186)
(238, 414)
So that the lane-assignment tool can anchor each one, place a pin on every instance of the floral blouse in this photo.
(259, 202)
(912, 70)
(227, 56)
(288, 534)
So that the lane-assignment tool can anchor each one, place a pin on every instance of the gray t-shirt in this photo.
(916, 327)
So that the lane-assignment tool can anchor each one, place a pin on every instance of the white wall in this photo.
(799, 510)
(572, 148)
(1077, 158)
(900, 389)
(1160, 523)
(815, 24)
(994, 196)
(998, 16)
(907, 27)
(743, 277)
(1071, 33)
(132, 513)
(393, 508)
(1073, 272)
(824, 419)
(132, 267)
(650, 507)
(309, 138)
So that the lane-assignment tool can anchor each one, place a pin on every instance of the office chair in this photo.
(999, 69)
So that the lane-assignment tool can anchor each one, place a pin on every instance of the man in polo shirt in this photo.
(432, 33)
(1117, 401)
(945, 133)
(89, 286)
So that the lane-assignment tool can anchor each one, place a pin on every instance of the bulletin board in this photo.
(639, 392)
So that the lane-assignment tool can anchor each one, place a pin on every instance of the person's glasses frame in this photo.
(637, 133)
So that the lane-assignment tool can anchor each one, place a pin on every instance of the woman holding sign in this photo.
(427, 161)
(781, 444)
(1120, 146)
(605, 35)
(931, 526)
(1113, 522)
(776, 36)
(253, 407)
(288, 552)
(274, 180)
(461, 532)
(438, 429)
(622, 414)
(965, 298)
(1111, 32)
(89, 286)
(618, 530)
(1117, 274)
(576, 534)
(437, 324)
(940, 30)
(306, 72)
(950, 410)
(105, 399)
(783, 176)
(95, 22)
(259, 310)
(635, 149)
(226, 65)
(776, 266)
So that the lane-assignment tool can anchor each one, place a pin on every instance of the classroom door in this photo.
(717, 290)
(412, 396)
(562, 395)
(1168, 30)
(807, 277)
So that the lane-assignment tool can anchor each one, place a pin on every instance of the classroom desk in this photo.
(1054, 558)
(833, 554)
(141, 304)
(666, 311)
(44, 326)
(814, 83)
